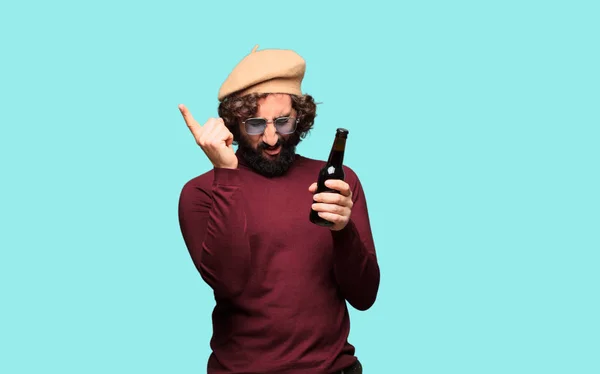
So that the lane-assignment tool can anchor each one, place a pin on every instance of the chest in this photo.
(283, 241)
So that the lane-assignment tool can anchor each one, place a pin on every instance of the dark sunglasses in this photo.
(283, 125)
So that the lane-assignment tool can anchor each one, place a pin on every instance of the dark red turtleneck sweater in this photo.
(280, 282)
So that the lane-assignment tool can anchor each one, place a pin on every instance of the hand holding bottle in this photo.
(335, 207)
(333, 198)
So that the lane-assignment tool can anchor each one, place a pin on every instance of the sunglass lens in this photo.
(255, 126)
(285, 125)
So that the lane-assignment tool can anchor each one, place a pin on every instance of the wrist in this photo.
(230, 165)
(226, 176)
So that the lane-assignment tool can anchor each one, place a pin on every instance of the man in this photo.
(280, 282)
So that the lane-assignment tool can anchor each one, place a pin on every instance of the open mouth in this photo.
(273, 151)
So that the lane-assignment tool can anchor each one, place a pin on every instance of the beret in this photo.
(265, 71)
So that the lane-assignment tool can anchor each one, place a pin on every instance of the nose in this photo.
(270, 135)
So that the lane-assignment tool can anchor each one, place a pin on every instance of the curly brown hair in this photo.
(235, 109)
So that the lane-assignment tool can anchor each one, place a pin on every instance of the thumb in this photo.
(313, 188)
(227, 135)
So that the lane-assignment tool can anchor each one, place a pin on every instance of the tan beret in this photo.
(265, 71)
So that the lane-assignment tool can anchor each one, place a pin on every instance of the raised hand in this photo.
(214, 138)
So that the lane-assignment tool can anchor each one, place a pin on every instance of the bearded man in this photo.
(280, 282)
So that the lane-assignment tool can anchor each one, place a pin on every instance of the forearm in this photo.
(215, 233)
(355, 266)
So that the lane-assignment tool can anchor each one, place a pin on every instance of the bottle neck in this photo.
(336, 157)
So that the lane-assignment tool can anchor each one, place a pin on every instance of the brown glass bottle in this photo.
(332, 170)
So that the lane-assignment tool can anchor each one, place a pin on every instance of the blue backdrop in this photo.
(474, 127)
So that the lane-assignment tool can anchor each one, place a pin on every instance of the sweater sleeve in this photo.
(355, 262)
(213, 225)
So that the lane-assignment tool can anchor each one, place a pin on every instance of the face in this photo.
(269, 153)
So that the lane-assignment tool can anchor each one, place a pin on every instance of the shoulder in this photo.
(199, 185)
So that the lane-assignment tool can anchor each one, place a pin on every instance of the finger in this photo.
(339, 185)
(312, 188)
(223, 134)
(187, 116)
(210, 125)
(229, 139)
(335, 218)
(220, 129)
(215, 125)
(208, 131)
(190, 121)
(331, 208)
(333, 198)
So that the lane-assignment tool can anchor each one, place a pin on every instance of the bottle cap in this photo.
(341, 132)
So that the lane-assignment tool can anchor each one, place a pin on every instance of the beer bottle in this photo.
(332, 170)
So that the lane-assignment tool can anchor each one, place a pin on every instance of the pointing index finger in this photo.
(187, 116)
(189, 119)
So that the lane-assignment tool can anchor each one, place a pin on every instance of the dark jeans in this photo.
(355, 368)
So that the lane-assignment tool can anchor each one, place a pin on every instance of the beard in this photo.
(263, 165)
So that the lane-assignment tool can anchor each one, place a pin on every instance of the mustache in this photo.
(264, 145)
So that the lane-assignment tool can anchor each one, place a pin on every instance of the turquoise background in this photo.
(474, 127)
